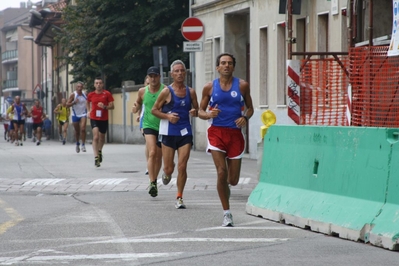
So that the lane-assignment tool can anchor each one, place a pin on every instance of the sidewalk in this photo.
(56, 168)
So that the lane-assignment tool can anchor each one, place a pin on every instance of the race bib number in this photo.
(184, 132)
(98, 113)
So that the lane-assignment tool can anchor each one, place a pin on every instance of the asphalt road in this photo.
(57, 208)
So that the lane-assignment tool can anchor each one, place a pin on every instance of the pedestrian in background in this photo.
(98, 103)
(175, 106)
(223, 105)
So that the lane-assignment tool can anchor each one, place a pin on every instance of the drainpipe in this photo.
(371, 26)
(350, 28)
(289, 9)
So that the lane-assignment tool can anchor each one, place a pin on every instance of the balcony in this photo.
(10, 83)
(9, 56)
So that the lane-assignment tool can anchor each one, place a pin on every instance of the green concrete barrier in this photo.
(333, 180)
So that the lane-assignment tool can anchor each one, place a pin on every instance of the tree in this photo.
(114, 39)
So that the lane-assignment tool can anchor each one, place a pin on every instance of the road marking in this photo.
(250, 228)
(122, 256)
(244, 181)
(13, 214)
(42, 182)
(107, 181)
(193, 239)
(172, 181)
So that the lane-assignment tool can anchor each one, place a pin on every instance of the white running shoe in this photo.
(228, 220)
(179, 204)
(77, 149)
(83, 148)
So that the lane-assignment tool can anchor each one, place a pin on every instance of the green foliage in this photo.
(114, 38)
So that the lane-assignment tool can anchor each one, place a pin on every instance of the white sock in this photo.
(226, 212)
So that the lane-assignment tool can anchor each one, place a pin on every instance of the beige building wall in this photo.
(238, 26)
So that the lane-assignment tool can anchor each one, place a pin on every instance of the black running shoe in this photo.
(97, 162)
(153, 191)
(100, 156)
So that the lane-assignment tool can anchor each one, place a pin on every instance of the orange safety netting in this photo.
(323, 99)
(375, 87)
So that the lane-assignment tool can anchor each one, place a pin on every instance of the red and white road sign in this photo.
(192, 28)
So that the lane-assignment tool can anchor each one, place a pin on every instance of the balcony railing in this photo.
(10, 83)
(11, 55)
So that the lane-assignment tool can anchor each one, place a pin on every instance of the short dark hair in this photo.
(227, 54)
(100, 78)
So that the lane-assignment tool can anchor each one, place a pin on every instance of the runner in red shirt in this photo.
(37, 115)
(98, 103)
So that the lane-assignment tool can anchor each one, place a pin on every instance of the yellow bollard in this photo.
(268, 118)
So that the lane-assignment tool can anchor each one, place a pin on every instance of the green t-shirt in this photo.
(149, 120)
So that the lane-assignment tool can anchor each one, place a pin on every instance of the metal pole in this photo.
(160, 62)
(192, 70)
(124, 113)
(45, 79)
(33, 83)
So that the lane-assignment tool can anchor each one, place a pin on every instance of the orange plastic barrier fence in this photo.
(373, 100)
(375, 87)
(323, 97)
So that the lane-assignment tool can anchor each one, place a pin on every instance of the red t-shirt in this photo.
(96, 112)
(38, 113)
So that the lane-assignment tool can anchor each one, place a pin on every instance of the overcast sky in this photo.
(12, 3)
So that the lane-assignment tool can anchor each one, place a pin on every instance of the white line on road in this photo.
(250, 228)
(42, 182)
(123, 256)
(193, 239)
(172, 181)
(244, 180)
(107, 181)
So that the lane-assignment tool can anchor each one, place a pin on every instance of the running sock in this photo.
(179, 195)
(77, 143)
(226, 212)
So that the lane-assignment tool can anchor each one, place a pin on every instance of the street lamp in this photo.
(30, 38)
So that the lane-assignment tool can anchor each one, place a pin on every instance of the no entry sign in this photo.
(192, 29)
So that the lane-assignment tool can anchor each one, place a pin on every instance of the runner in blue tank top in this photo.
(223, 105)
(175, 106)
(19, 111)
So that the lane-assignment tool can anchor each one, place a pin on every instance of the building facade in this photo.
(20, 59)
(257, 33)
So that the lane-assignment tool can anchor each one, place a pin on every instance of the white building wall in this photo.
(224, 21)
